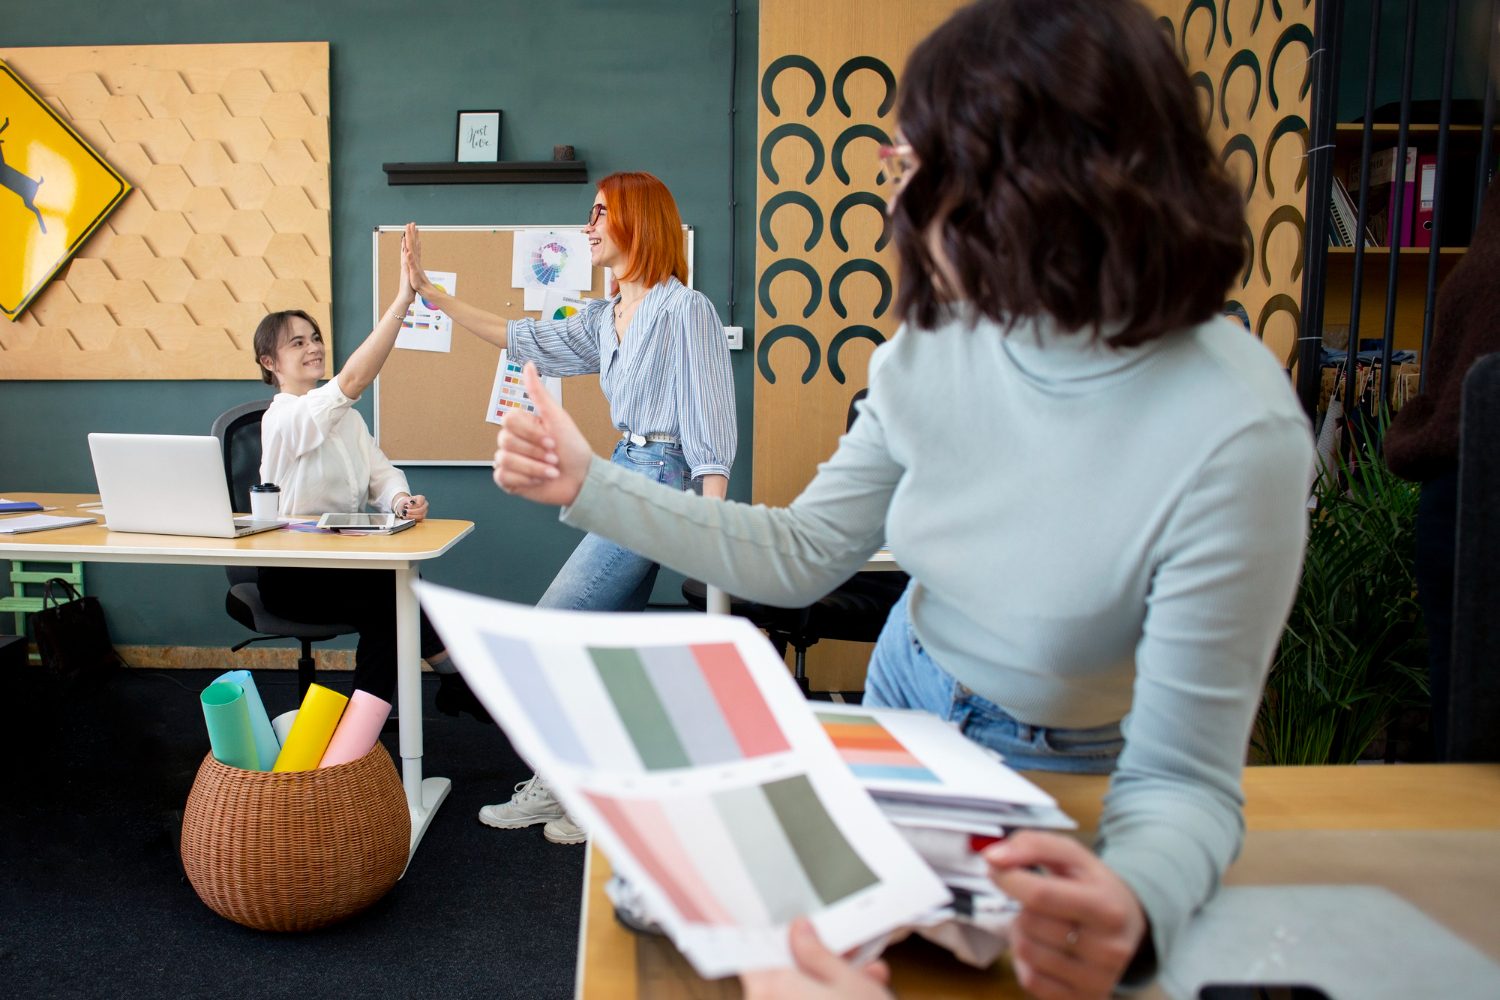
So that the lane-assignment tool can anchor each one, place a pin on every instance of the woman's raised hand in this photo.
(411, 260)
(543, 457)
(819, 974)
(1079, 925)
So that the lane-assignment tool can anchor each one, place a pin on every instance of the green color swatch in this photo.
(831, 864)
(636, 701)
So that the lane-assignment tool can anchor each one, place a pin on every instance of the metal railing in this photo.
(1322, 149)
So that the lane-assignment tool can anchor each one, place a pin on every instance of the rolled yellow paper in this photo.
(316, 721)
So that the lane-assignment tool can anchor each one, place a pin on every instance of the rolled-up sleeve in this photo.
(559, 347)
(705, 392)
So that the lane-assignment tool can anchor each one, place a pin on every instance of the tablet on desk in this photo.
(384, 524)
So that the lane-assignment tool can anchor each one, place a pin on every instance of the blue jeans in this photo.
(603, 576)
(902, 675)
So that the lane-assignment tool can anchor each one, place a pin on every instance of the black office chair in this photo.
(1474, 666)
(855, 611)
(238, 431)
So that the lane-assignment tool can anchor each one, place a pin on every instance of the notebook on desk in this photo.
(39, 522)
(167, 484)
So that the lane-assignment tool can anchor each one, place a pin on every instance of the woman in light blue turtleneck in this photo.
(1096, 481)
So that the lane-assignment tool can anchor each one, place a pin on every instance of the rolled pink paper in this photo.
(358, 729)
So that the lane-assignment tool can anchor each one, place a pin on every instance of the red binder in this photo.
(1426, 192)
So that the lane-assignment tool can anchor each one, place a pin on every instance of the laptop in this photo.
(167, 484)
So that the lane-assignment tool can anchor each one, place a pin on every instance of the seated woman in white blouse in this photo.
(316, 447)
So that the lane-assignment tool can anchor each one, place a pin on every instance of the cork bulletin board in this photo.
(430, 406)
(227, 150)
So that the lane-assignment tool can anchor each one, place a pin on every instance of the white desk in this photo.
(402, 552)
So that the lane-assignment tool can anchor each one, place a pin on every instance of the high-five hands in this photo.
(819, 974)
(411, 260)
(543, 457)
(1079, 925)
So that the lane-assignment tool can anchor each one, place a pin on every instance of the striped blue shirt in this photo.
(669, 374)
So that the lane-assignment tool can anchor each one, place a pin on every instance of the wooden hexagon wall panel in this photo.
(227, 147)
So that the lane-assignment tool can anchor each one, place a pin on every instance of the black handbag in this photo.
(71, 634)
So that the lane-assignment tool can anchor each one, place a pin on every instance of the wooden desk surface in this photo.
(1430, 833)
(426, 540)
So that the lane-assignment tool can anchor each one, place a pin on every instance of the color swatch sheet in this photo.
(509, 391)
(683, 746)
(900, 751)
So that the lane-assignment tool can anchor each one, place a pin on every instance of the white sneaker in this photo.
(564, 831)
(532, 804)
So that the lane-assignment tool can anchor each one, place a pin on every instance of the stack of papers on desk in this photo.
(924, 772)
(39, 522)
(950, 798)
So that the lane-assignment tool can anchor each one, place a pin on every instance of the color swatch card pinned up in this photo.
(683, 746)
(509, 391)
(551, 258)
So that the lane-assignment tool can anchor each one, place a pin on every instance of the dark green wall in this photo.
(1471, 42)
(633, 84)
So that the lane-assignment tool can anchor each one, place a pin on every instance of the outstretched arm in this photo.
(483, 324)
(368, 358)
(784, 556)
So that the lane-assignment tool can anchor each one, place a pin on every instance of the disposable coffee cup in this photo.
(265, 502)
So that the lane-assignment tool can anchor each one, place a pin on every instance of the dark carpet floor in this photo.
(93, 902)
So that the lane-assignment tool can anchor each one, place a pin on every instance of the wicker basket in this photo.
(297, 850)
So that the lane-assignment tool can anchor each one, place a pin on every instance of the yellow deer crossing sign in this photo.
(54, 192)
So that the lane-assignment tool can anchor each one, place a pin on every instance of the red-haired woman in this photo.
(659, 350)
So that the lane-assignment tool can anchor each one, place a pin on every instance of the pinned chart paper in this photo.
(425, 327)
(557, 258)
(554, 303)
(684, 748)
(509, 391)
(561, 305)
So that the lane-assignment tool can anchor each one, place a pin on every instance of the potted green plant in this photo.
(1353, 656)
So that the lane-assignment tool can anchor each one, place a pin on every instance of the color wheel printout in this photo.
(682, 745)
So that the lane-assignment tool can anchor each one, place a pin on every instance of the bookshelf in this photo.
(1411, 274)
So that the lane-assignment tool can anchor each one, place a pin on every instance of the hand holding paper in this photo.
(819, 974)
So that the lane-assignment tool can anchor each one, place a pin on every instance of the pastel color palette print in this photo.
(757, 856)
(649, 708)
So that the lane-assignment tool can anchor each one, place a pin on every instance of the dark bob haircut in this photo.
(268, 337)
(1061, 154)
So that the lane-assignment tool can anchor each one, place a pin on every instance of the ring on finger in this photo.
(1072, 940)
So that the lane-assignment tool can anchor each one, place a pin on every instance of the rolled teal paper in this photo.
(227, 714)
(267, 746)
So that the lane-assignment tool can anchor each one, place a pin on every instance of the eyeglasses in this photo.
(596, 212)
(899, 163)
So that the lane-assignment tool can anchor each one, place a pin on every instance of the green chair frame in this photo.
(20, 603)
